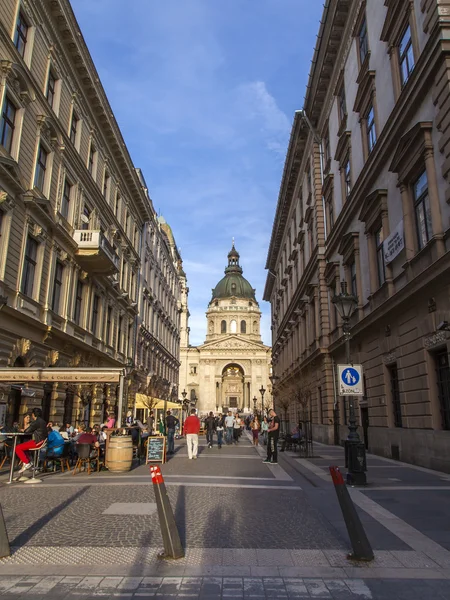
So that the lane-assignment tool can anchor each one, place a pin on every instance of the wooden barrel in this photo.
(120, 453)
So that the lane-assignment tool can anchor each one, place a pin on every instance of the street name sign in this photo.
(350, 380)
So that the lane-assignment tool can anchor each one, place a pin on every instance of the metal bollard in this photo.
(362, 549)
(5, 550)
(169, 531)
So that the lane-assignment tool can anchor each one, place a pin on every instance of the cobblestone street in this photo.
(249, 530)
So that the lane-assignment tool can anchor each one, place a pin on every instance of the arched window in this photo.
(223, 327)
(243, 326)
(233, 326)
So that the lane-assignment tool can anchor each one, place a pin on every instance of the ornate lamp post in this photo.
(355, 452)
(255, 400)
(184, 405)
(262, 391)
(273, 378)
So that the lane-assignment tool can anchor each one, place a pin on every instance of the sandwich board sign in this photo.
(351, 381)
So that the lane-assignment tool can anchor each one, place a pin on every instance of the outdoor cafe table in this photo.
(15, 435)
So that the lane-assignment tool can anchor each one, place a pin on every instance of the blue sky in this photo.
(204, 92)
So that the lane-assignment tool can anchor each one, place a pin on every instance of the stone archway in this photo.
(233, 381)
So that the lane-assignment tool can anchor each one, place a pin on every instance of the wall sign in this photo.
(394, 244)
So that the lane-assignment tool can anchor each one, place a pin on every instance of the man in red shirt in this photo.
(191, 431)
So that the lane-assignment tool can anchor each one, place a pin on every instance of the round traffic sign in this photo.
(350, 376)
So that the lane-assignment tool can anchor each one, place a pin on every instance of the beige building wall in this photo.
(73, 214)
(366, 135)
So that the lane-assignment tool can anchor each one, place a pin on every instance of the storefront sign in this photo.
(65, 375)
(393, 244)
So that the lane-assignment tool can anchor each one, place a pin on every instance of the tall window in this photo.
(327, 150)
(51, 84)
(57, 286)
(243, 326)
(395, 395)
(86, 218)
(406, 55)
(29, 266)
(422, 210)
(443, 382)
(347, 177)
(353, 282)
(65, 201)
(91, 159)
(233, 326)
(74, 127)
(78, 302)
(381, 268)
(342, 104)
(371, 131)
(95, 310)
(41, 168)
(363, 42)
(223, 327)
(120, 340)
(7, 124)
(106, 181)
(20, 34)
(108, 325)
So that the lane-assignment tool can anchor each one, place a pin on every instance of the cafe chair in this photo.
(85, 458)
(62, 460)
(34, 453)
(6, 450)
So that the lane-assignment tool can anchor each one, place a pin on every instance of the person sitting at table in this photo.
(55, 444)
(110, 421)
(89, 438)
(37, 427)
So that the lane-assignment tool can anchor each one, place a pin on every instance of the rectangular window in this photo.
(57, 286)
(363, 42)
(74, 127)
(353, 282)
(91, 159)
(406, 55)
(51, 88)
(95, 310)
(86, 218)
(422, 210)
(29, 267)
(7, 124)
(120, 340)
(347, 177)
(371, 132)
(108, 326)
(20, 34)
(395, 395)
(381, 268)
(327, 150)
(41, 167)
(65, 201)
(342, 104)
(78, 303)
(106, 185)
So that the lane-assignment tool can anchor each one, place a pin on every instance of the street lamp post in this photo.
(273, 378)
(262, 391)
(355, 451)
(255, 400)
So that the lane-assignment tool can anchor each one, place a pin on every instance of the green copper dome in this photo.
(233, 284)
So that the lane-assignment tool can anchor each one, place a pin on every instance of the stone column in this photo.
(408, 223)
(388, 268)
(373, 266)
(433, 194)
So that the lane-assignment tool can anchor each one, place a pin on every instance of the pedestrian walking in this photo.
(191, 431)
(219, 428)
(255, 426)
(264, 428)
(237, 428)
(272, 438)
(210, 426)
(229, 422)
(171, 424)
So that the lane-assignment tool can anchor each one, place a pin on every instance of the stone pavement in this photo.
(250, 530)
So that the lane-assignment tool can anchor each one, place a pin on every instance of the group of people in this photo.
(232, 425)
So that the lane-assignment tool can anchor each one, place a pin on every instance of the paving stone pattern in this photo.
(206, 517)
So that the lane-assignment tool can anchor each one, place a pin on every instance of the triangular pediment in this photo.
(232, 342)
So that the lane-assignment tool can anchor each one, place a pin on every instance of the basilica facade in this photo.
(231, 368)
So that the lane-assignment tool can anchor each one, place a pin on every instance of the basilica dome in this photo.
(233, 285)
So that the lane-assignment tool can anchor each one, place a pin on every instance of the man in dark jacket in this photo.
(171, 423)
(210, 426)
(38, 428)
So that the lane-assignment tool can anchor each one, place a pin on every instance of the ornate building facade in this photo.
(229, 369)
(364, 199)
(79, 238)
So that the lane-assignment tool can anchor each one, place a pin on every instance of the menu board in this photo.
(156, 449)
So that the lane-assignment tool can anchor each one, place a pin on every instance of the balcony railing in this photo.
(95, 253)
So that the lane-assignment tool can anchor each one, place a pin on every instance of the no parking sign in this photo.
(350, 380)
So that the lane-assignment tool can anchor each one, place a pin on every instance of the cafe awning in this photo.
(144, 401)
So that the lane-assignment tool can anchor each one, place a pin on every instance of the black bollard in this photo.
(358, 538)
(169, 531)
(5, 550)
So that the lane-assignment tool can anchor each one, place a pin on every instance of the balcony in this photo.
(95, 254)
